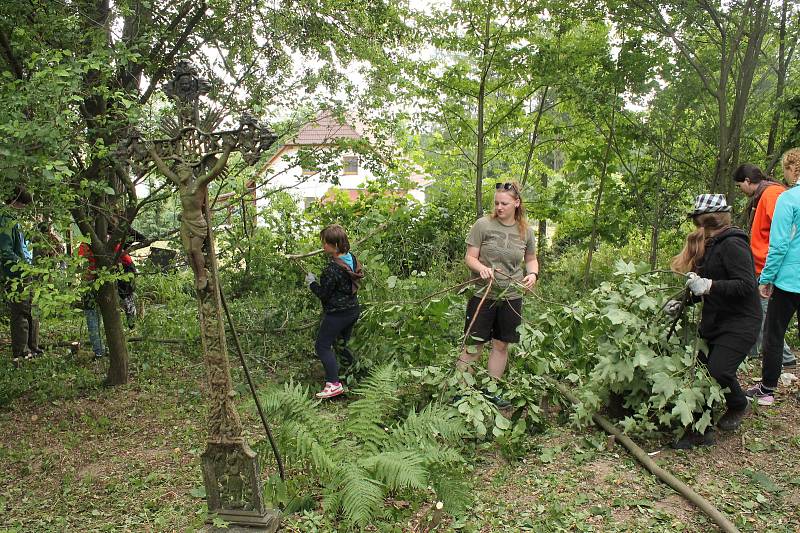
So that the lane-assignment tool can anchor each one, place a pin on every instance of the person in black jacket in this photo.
(719, 264)
(336, 290)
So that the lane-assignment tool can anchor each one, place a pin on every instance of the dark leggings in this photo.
(722, 363)
(782, 306)
(334, 325)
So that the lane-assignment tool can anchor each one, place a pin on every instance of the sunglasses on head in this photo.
(506, 186)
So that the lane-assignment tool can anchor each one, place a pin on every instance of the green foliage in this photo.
(471, 395)
(409, 332)
(44, 379)
(613, 342)
(376, 452)
(415, 237)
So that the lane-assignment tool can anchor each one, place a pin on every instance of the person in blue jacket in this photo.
(780, 282)
(15, 251)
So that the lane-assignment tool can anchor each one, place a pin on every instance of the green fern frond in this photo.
(304, 443)
(398, 470)
(434, 423)
(440, 457)
(360, 497)
(453, 490)
(292, 402)
(331, 500)
(377, 403)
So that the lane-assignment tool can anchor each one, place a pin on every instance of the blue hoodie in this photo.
(783, 259)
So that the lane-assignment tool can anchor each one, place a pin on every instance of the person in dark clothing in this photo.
(14, 251)
(721, 274)
(336, 289)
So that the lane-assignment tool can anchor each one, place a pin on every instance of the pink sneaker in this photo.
(331, 390)
(761, 396)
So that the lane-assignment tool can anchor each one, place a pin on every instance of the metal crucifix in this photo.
(191, 157)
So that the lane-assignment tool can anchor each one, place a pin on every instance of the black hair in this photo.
(748, 171)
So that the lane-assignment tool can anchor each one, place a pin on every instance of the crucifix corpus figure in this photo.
(193, 193)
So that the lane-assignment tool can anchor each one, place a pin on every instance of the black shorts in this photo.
(497, 319)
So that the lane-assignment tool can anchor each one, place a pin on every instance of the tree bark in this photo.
(115, 336)
(541, 243)
(534, 137)
(785, 53)
(481, 135)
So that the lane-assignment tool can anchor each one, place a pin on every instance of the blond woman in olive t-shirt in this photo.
(501, 242)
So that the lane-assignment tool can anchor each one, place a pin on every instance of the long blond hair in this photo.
(519, 211)
(708, 224)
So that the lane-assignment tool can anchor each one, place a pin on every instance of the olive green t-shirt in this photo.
(502, 248)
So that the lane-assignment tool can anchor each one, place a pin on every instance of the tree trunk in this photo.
(542, 232)
(655, 227)
(785, 53)
(480, 152)
(534, 137)
(481, 137)
(115, 336)
(730, 125)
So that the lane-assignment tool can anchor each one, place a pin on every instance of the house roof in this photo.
(324, 129)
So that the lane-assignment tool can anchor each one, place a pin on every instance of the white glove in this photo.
(310, 278)
(699, 286)
(672, 307)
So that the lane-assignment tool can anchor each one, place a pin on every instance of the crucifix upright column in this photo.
(191, 156)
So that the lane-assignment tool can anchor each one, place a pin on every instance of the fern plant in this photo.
(376, 451)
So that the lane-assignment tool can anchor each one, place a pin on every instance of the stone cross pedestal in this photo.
(191, 157)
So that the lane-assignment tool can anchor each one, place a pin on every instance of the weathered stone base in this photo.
(271, 527)
(268, 523)
(233, 487)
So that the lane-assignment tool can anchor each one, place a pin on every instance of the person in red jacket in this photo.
(763, 194)
(124, 288)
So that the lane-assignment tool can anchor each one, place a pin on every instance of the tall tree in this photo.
(82, 74)
(722, 43)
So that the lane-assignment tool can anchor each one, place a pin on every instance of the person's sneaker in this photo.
(499, 401)
(692, 439)
(37, 352)
(99, 355)
(763, 397)
(790, 364)
(331, 390)
(732, 419)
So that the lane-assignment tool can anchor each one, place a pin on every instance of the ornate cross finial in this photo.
(186, 86)
(185, 89)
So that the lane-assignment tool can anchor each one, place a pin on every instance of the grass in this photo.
(75, 456)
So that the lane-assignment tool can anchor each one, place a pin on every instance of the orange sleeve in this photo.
(762, 221)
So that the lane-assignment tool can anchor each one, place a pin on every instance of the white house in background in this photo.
(305, 184)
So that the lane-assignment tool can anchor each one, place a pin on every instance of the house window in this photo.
(307, 201)
(350, 165)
